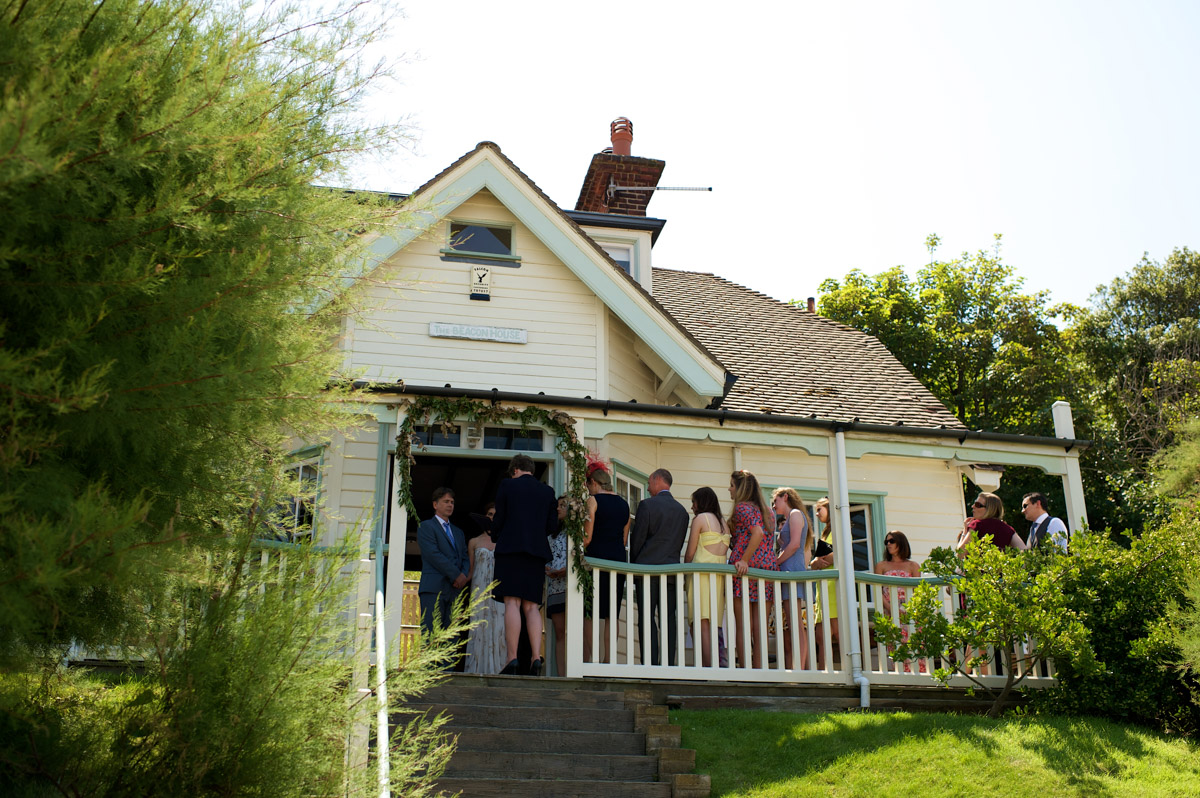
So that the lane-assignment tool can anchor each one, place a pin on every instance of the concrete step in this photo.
(454, 691)
(511, 788)
(537, 741)
(536, 717)
(514, 765)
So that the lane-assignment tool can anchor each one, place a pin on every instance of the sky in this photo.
(835, 135)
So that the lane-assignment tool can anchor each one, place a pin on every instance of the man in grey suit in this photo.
(444, 561)
(659, 530)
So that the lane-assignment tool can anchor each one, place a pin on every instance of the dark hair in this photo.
(488, 506)
(438, 493)
(563, 498)
(1035, 498)
(520, 462)
(664, 475)
(903, 549)
(707, 502)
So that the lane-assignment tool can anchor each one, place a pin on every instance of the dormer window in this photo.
(472, 242)
(622, 254)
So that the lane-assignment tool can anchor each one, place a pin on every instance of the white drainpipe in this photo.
(845, 560)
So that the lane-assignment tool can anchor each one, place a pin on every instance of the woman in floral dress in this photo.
(753, 546)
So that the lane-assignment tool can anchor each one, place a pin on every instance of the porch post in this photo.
(397, 534)
(848, 600)
(1064, 427)
(574, 658)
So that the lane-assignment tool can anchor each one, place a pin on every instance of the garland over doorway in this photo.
(448, 412)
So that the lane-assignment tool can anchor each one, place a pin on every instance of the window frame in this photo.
(310, 457)
(451, 254)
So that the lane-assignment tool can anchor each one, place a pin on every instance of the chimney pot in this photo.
(621, 134)
(812, 304)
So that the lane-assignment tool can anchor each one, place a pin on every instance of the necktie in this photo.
(449, 534)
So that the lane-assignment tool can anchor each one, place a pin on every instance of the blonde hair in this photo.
(746, 489)
(827, 532)
(796, 503)
(992, 506)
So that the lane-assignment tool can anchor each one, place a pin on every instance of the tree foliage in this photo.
(1012, 604)
(169, 301)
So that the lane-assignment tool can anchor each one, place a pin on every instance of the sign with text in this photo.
(481, 282)
(478, 332)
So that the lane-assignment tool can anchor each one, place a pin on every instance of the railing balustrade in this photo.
(793, 621)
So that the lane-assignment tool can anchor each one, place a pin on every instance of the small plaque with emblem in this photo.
(481, 282)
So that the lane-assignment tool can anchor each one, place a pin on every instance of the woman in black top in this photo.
(605, 536)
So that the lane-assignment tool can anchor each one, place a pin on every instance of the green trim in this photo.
(827, 575)
(305, 452)
(813, 444)
(471, 257)
(700, 373)
(378, 533)
(629, 470)
(901, 581)
(856, 448)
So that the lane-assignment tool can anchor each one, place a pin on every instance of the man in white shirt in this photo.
(1043, 526)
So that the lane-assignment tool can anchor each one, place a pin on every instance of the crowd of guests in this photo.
(524, 552)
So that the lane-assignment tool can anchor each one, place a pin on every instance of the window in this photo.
(437, 435)
(622, 254)
(630, 490)
(294, 517)
(519, 440)
(480, 239)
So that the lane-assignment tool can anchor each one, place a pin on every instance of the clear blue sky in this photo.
(835, 135)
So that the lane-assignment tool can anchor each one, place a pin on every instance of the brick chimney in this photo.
(616, 166)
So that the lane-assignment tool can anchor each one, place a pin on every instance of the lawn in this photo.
(776, 754)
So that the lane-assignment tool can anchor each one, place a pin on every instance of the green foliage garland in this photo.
(448, 412)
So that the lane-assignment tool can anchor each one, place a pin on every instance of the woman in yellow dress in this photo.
(708, 542)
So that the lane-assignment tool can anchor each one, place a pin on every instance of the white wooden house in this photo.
(503, 295)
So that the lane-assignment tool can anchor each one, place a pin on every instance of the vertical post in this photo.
(397, 535)
(1064, 427)
(575, 619)
(848, 611)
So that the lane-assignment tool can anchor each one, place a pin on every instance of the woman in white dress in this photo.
(486, 649)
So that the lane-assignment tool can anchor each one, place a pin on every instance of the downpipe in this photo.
(846, 574)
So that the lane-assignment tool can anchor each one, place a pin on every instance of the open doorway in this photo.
(474, 481)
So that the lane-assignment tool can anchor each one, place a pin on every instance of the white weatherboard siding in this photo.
(356, 492)
(629, 378)
(542, 296)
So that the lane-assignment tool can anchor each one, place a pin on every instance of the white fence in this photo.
(769, 628)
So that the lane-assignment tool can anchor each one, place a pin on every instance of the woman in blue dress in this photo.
(795, 551)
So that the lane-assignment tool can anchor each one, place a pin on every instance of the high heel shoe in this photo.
(511, 668)
(535, 667)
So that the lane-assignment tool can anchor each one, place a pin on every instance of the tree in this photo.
(1011, 604)
(966, 329)
(1138, 346)
(169, 298)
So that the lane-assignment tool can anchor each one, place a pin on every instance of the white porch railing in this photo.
(630, 646)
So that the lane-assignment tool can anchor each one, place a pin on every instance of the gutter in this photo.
(721, 416)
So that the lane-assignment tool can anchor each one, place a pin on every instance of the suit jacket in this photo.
(659, 530)
(441, 563)
(526, 512)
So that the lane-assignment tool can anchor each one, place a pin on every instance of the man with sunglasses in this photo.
(1044, 527)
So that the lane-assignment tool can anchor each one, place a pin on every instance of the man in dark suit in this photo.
(444, 561)
(526, 512)
(659, 530)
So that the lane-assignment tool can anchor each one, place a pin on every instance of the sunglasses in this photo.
(891, 542)
(980, 505)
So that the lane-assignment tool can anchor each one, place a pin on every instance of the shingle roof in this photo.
(793, 362)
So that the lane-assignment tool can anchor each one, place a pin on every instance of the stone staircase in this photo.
(523, 736)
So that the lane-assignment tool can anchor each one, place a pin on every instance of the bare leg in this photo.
(787, 635)
(560, 641)
(738, 643)
(705, 643)
(512, 625)
(533, 624)
(755, 651)
(587, 639)
(604, 642)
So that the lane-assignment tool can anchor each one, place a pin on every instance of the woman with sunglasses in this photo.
(987, 522)
(897, 562)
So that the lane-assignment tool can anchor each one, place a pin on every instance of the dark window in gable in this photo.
(478, 238)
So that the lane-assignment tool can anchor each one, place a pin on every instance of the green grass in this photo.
(776, 754)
